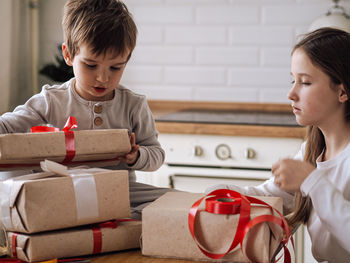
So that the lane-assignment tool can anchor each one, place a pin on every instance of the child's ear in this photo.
(343, 96)
(66, 55)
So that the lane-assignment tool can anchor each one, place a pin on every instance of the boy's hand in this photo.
(131, 157)
(290, 174)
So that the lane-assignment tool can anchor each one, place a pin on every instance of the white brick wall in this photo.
(207, 50)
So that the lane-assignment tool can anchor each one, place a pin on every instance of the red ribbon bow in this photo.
(224, 201)
(69, 136)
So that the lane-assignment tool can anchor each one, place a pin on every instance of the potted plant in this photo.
(59, 71)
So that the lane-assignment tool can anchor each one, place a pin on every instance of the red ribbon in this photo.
(14, 245)
(223, 205)
(219, 202)
(10, 260)
(69, 136)
(97, 233)
(44, 129)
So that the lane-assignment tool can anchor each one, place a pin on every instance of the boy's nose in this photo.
(102, 76)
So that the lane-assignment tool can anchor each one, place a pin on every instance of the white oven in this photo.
(195, 162)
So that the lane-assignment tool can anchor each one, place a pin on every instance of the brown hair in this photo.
(329, 50)
(105, 25)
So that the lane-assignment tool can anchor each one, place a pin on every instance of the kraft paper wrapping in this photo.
(90, 145)
(165, 231)
(75, 242)
(45, 201)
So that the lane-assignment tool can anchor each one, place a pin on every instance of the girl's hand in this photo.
(290, 174)
(131, 157)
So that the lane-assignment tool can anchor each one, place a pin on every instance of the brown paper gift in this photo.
(23, 150)
(46, 201)
(74, 242)
(165, 231)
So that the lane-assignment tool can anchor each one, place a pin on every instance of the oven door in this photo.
(198, 179)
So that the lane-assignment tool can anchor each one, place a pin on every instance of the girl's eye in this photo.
(115, 68)
(306, 83)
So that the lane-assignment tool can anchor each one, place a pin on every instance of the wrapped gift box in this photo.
(65, 198)
(74, 242)
(165, 231)
(20, 150)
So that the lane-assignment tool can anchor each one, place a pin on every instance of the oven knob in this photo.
(223, 152)
(249, 153)
(198, 151)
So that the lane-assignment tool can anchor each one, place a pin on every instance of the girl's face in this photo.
(315, 99)
(96, 77)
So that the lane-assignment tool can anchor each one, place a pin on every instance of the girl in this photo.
(316, 191)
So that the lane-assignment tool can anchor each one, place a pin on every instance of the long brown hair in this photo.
(329, 50)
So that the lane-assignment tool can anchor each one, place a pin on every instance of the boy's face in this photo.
(96, 77)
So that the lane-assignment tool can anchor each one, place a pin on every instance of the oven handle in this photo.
(219, 173)
(170, 165)
(172, 178)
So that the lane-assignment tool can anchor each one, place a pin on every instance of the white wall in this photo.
(207, 50)
(5, 32)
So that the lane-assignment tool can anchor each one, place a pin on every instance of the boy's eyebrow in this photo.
(93, 61)
(120, 63)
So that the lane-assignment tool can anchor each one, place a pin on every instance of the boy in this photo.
(99, 37)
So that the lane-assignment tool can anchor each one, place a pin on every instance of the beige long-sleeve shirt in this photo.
(127, 110)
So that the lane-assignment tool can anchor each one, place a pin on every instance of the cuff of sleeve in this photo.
(139, 162)
(311, 181)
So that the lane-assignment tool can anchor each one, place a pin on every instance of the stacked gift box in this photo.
(65, 212)
(86, 147)
(166, 229)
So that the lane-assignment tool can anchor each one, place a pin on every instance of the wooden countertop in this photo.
(160, 107)
(133, 256)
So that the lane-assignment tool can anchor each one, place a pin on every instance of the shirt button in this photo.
(98, 108)
(98, 121)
